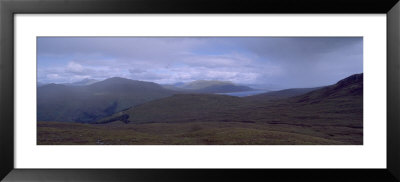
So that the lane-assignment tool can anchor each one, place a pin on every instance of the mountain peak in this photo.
(356, 78)
(116, 78)
(86, 81)
(351, 86)
(119, 84)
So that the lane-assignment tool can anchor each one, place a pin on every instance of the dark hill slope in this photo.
(332, 112)
(91, 102)
(178, 108)
(340, 104)
(350, 87)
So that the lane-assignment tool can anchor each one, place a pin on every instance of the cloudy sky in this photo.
(285, 62)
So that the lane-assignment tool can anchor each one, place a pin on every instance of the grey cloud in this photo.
(136, 71)
(289, 62)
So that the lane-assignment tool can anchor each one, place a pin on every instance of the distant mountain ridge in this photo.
(118, 84)
(201, 84)
(208, 86)
(85, 81)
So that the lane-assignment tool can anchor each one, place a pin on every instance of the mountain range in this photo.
(123, 111)
(333, 112)
(89, 100)
(58, 102)
(131, 101)
(197, 107)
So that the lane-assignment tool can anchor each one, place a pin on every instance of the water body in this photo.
(245, 93)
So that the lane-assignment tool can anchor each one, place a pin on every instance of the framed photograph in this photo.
(124, 91)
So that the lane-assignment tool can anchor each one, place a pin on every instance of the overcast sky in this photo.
(285, 62)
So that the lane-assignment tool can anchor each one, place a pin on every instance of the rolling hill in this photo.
(333, 112)
(350, 87)
(56, 102)
(195, 106)
(177, 108)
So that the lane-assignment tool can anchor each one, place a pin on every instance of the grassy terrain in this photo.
(276, 122)
(196, 133)
(326, 116)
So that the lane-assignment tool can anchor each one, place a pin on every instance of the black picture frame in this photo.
(8, 8)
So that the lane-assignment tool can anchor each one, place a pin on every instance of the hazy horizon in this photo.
(255, 87)
(254, 61)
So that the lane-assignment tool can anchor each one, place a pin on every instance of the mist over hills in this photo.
(83, 82)
(88, 103)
